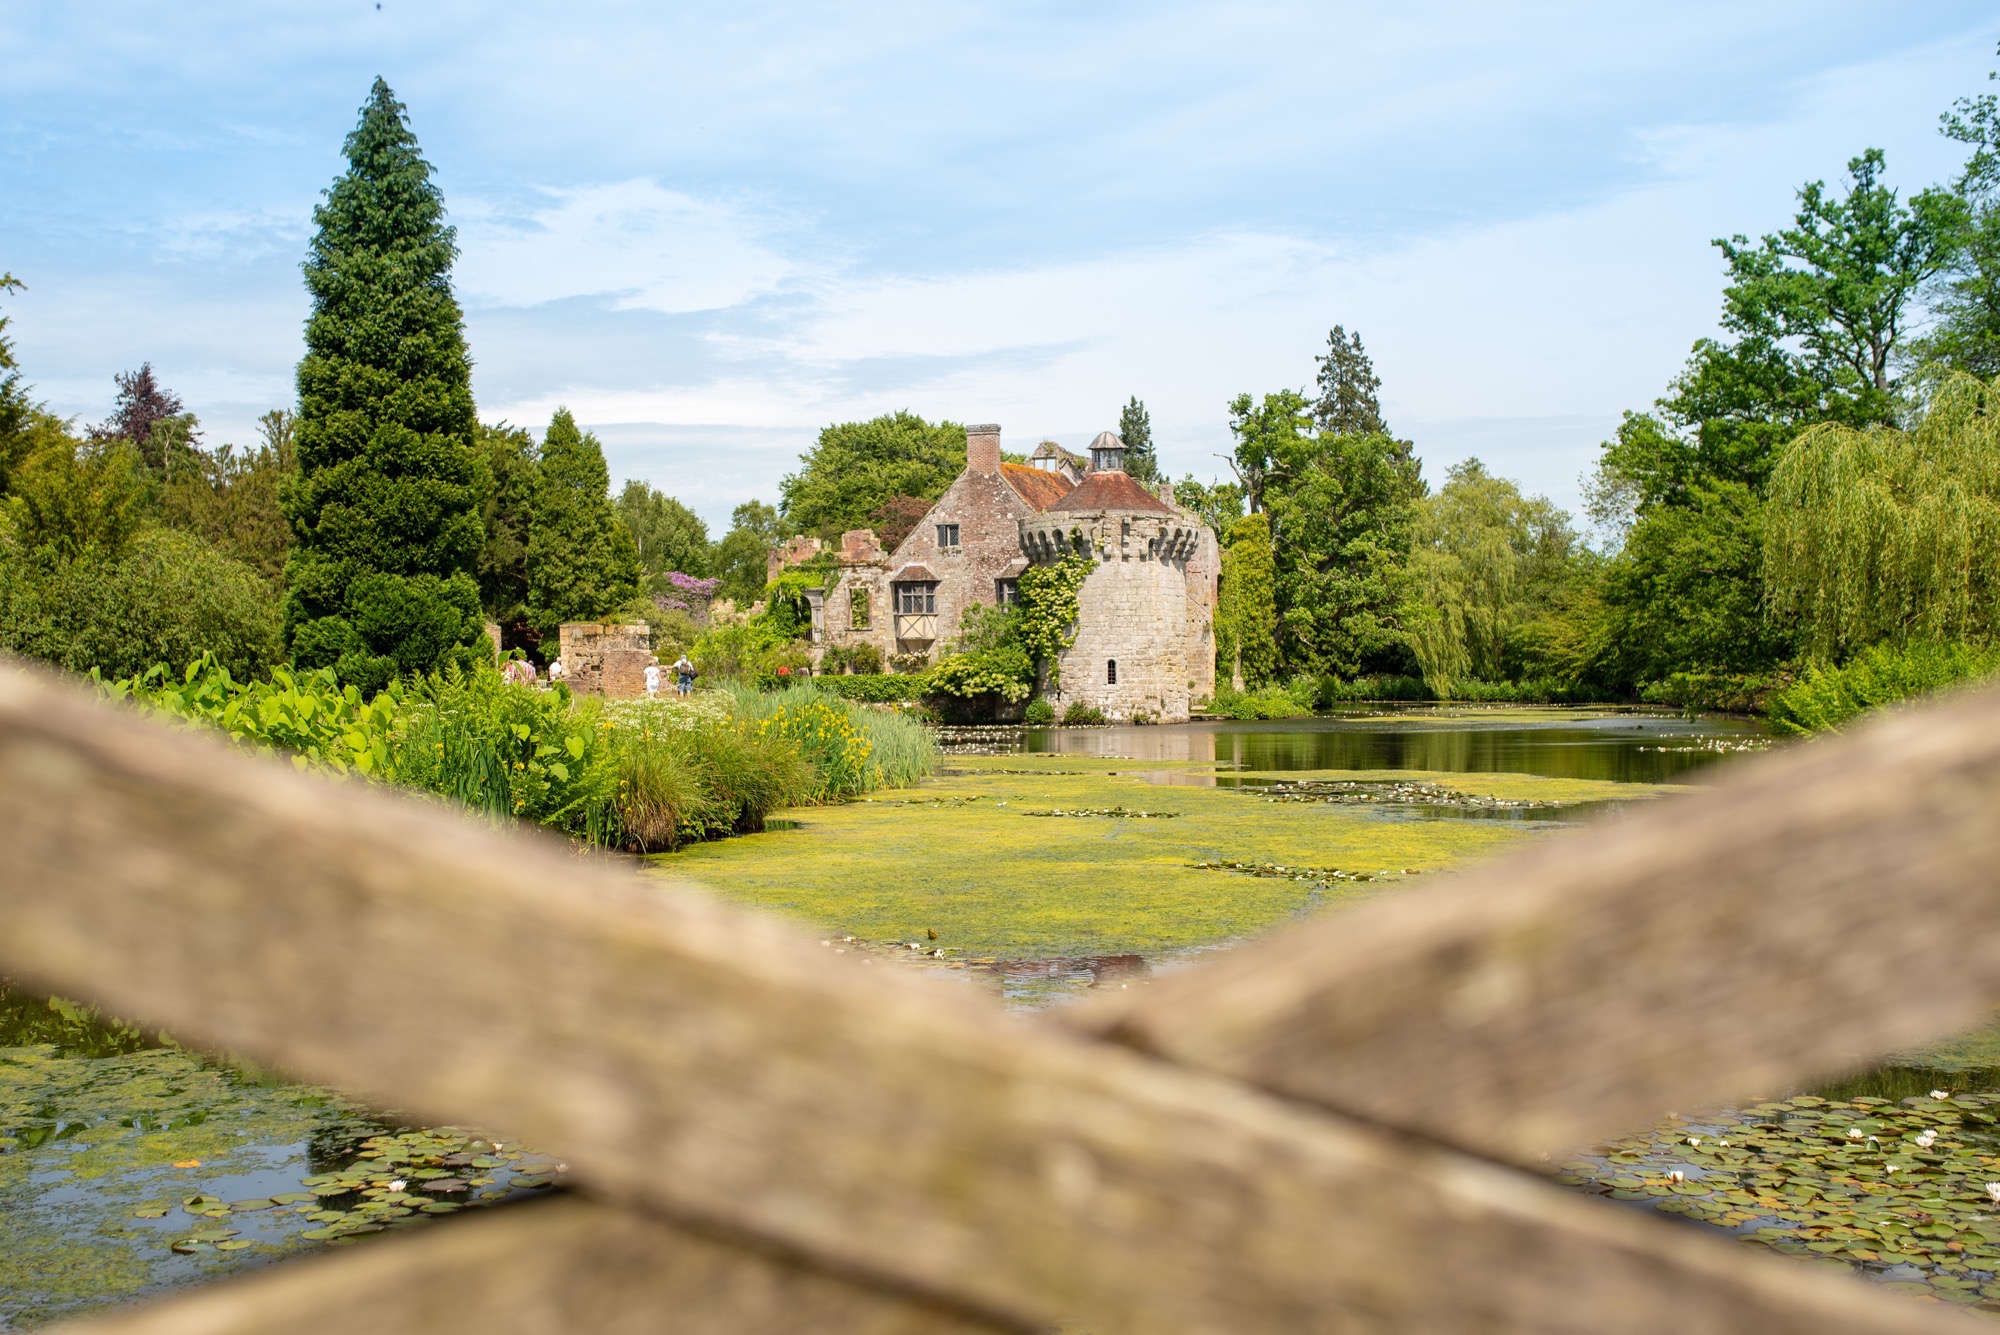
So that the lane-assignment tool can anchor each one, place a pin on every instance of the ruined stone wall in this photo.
(603, 659)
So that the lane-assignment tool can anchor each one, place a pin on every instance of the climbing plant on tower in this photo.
(1049, 610)
(385, 505)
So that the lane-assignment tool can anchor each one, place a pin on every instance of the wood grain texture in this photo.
(1811, 909)
(551, 1268)
(706, 1065)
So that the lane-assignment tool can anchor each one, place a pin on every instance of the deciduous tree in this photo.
(742, 555)
(858, 466)
(669, 535)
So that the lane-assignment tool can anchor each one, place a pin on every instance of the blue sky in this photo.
(712, 229)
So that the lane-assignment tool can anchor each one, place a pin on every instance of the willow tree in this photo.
(1247, 620)
(1890, 535)
(385, 507)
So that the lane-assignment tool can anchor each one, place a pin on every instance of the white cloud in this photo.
(647, 247)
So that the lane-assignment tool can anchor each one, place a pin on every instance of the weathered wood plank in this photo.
(707, 1065)
(552, 1268)
(1813, 908)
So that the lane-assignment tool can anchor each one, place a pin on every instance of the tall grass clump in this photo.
(692, 770)
(1826, 698)
(851, 749)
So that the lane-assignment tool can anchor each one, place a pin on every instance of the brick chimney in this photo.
(982, 449)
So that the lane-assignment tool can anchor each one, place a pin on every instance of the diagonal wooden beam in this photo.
(552, 1268)
(707, 1065)
(1808, 910)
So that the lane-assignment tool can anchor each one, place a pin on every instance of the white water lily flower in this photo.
(1892, 1168)
(1940, 1093)
(397, 1185)
(1854, 1133)
(1927, 1139)
(1993, 1190)
(1677, 1176)
(1723, 1143)
(1694, 1140)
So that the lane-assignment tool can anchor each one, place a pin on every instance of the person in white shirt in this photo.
(652, 680)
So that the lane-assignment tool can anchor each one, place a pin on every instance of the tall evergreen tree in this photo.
(386, 503)
(506, 505)
(582, 562)
(1135, 428)
(15, 407)
(1349, 402)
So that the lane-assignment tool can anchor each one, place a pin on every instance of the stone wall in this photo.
(602, 659)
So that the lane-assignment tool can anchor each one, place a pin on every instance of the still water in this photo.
(1614, 745)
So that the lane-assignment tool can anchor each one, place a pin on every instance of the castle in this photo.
(1145, 637)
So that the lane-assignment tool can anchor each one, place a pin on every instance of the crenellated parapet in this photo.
(1111, 536)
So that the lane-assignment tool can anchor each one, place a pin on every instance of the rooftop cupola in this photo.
(1107, 454)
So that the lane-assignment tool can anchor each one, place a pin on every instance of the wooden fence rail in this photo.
(1318, 1132)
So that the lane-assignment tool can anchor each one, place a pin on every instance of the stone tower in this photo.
(1144, 643)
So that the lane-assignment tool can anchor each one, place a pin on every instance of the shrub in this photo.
(168, 599)
(1825, 699)
(1040, 713)
(1004, 671)
(858, 659)
(1336, 689)
(1272, 702)
(881, 689)
(1736, 692)
(1081, 715)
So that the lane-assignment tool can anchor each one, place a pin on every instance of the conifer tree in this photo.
(386, 502)
(1135, 428)
(582, 562)
(1348, 389)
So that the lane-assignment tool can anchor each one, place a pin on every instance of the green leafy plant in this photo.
(1048, 612)
(1827, 699)
(1081, 715)
(1040, 713)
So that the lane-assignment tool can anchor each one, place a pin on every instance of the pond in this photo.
(1039, 864)
(1616, 745)
(130, 1165)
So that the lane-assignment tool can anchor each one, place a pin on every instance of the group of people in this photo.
(683, 671)
(517, 669)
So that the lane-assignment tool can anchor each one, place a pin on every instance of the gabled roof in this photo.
(913, 573)
(1109, 491)
(1040, 488)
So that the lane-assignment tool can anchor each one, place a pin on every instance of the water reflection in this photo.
(1617, 746)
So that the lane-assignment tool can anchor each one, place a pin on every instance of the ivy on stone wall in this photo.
(1048, 610)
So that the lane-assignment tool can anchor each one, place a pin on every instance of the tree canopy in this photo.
(856, 467)
(1348, 403)
(385, 506)
(744, 552)
(582, 562)
(669, 536)
(1891, 535)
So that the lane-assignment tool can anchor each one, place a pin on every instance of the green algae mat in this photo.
(1031, 857)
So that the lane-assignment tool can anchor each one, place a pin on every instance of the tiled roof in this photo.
(1036, 486)
(1110, 491)
(914, 574)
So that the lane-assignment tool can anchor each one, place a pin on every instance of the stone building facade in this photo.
(1145, 644)
(604, 659)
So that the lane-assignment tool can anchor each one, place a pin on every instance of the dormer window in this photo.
(947, 537)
